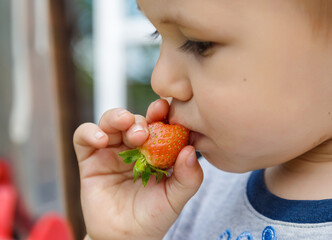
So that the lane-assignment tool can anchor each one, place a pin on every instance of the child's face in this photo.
(259, 95)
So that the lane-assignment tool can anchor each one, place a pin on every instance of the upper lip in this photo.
(176, 119)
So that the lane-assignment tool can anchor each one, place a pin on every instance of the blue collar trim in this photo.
(276, 208)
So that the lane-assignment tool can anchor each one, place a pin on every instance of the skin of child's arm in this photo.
(113, 206)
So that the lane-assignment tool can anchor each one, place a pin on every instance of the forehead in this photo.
(154, 8)
(198, 13)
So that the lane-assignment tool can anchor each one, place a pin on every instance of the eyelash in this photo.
(190, 46)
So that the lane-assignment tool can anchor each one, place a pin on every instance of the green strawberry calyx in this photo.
(142, 168)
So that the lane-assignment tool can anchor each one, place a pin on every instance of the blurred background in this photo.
(62, 63)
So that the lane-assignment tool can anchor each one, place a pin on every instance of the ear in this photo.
(227, 235)
(269, 234)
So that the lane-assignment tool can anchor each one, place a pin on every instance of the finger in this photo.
(114, 122)
(185, 180)
(137, 133)
(87, 138)
(157, 111)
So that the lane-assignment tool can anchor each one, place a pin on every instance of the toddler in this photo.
(252, 80)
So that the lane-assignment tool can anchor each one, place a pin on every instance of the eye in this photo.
(190, 46)
(196, 47)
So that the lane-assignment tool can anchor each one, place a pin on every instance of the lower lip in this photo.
(194, 138)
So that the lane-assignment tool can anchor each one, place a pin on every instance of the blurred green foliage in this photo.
(141, 60)
(84, 17)
(139, 97)
(82, 50)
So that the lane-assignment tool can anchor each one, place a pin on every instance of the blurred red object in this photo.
(8, 200)
(51, 227)
(5, 172)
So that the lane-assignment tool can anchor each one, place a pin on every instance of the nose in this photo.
(170, 76)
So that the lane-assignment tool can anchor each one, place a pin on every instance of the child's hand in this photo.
(113, 206)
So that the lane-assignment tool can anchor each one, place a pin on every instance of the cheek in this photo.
(242, 121)
(258, 118)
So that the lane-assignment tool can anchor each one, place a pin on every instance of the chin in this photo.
(226, 164)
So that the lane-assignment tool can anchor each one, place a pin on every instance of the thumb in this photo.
(186, 179)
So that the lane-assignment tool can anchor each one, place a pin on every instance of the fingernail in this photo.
(191, 160)
(99, 135)
(122, 111)
(138, 128)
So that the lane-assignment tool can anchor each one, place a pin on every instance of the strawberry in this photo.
(158, 152)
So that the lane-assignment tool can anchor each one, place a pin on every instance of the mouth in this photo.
(194, 138)
(193, 135)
